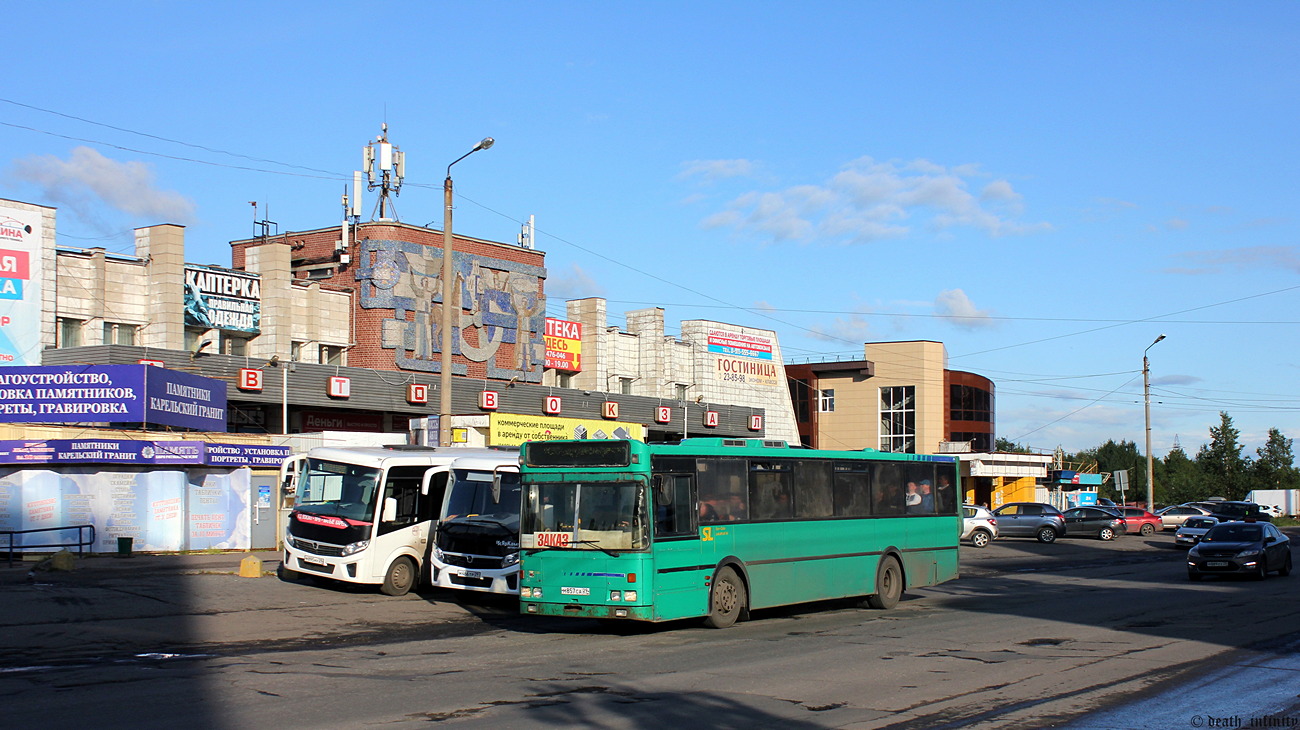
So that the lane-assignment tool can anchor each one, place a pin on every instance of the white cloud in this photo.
(954, 306)
(87, 183)
(1176, 224)
(1247, 258)
(870, 201)
(853, 329)
(574, 283)
(714, 170)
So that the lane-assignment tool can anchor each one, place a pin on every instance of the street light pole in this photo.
(448, 302)
(1146, 397)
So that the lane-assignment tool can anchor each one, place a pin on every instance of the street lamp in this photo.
(1146, 396)
(448, 301)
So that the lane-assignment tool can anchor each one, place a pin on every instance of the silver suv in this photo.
(978, 525)
(1030, 519)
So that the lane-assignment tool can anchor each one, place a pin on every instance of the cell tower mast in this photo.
(385, 168)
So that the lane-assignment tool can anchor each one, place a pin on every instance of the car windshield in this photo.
(472, 494)
(1200, 522)
(585, 516)
(335, 488)
(1235, 532)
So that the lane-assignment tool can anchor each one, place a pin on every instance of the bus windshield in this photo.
(334, 488)
(471, 494)
(585, 515)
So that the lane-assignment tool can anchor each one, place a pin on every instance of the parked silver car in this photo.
(978, 525)
(1191, 531)
(1030, 519)
(1171, 518)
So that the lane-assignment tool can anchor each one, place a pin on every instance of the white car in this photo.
(978, 525)
(1192, 530)
(1273, 510)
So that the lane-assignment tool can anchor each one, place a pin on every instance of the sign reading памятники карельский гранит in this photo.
(111, 394)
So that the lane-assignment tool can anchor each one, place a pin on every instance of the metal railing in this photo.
(81, 543)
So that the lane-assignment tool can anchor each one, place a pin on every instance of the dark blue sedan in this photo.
(1240, 548)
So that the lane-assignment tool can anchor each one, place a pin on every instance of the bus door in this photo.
(680, 571)
(402, 527)
(290, 468)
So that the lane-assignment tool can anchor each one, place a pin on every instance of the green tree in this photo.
(1007, 446)
(1112, 457)
(1221, 463)
(1178, 479)
(1275, 468)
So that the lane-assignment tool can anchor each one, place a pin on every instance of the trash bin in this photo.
(124, 546)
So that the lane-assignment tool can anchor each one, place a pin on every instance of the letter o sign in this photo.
(417, 393)
(489, 400)
(711, 419)
(663, 414)
(250, 379)
(552, 405)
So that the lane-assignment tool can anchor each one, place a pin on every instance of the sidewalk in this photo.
(109, 564)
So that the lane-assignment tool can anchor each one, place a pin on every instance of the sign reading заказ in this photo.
(111, 394)
(222, 299)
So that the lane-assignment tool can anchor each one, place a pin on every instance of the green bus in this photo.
(716, 527)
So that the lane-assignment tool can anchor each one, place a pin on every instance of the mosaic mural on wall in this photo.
(497, 303)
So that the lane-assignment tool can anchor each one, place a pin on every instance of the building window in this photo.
(979, 442)
(116, 333)
(679, 390)
(564, 380)
(898, 419)
(331, 355)
(625, 385)
(231, 345)
(295, 351)
(70, 332)
(826, 400)
(967, 403)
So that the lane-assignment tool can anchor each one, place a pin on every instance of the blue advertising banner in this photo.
(111, 394)
(113, 451)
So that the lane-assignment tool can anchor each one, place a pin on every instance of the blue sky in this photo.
(1043, 187)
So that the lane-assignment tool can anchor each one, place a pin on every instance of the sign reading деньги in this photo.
(111, 394)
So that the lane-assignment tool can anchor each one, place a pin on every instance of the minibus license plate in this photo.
(313, 561)
(471, 574)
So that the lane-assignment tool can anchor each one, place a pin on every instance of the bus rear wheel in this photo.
(400, 577)
(889, 585)
(726, 600)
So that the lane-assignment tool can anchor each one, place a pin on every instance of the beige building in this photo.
(711, 365)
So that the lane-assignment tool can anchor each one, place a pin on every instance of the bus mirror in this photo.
(390, 509)
(496, 487)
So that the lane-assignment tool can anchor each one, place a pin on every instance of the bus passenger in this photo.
(927, 498)
(736, 509)
(913, 499)
(707, 512)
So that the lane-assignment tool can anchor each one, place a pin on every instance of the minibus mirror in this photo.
(390, 509)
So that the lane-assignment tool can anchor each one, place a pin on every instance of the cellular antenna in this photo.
(385, 168)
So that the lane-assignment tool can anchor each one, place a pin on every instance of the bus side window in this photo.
(674, 507)
(432, 509)
(812, 479)
(403, 484)
(724, 489)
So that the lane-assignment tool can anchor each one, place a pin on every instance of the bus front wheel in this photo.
(726, 600)
(889, 585)
(400, 577)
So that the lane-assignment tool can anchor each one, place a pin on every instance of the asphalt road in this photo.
(1079, 633)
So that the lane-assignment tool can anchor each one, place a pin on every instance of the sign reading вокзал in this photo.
(111, 394)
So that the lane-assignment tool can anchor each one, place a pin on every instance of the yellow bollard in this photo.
(250, 567)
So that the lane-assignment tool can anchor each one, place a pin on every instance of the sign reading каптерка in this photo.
(111, 394)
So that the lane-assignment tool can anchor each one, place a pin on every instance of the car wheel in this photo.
(1046, 534)
(400, 577)
(1286, 566)
(980, 538)
(1193, 576)
(889, 585)
(1148, 530)
(1262, 571)
(726, 600)
(1106, 534)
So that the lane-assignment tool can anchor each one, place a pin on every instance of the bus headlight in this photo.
(629, 595)
(615, 595)
(355, 547)
(525, 592)
(509, 560)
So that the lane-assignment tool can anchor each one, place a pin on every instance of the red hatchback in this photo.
(1140, 521)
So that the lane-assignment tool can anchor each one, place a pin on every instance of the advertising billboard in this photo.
(563, 345)
(222, 299)
(111, 394)
(512, 430)
(135, 452)
(20, 286)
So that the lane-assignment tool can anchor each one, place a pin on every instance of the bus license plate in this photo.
(1217, 564)
(313, 561)
(568, 591)
(471, 574)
